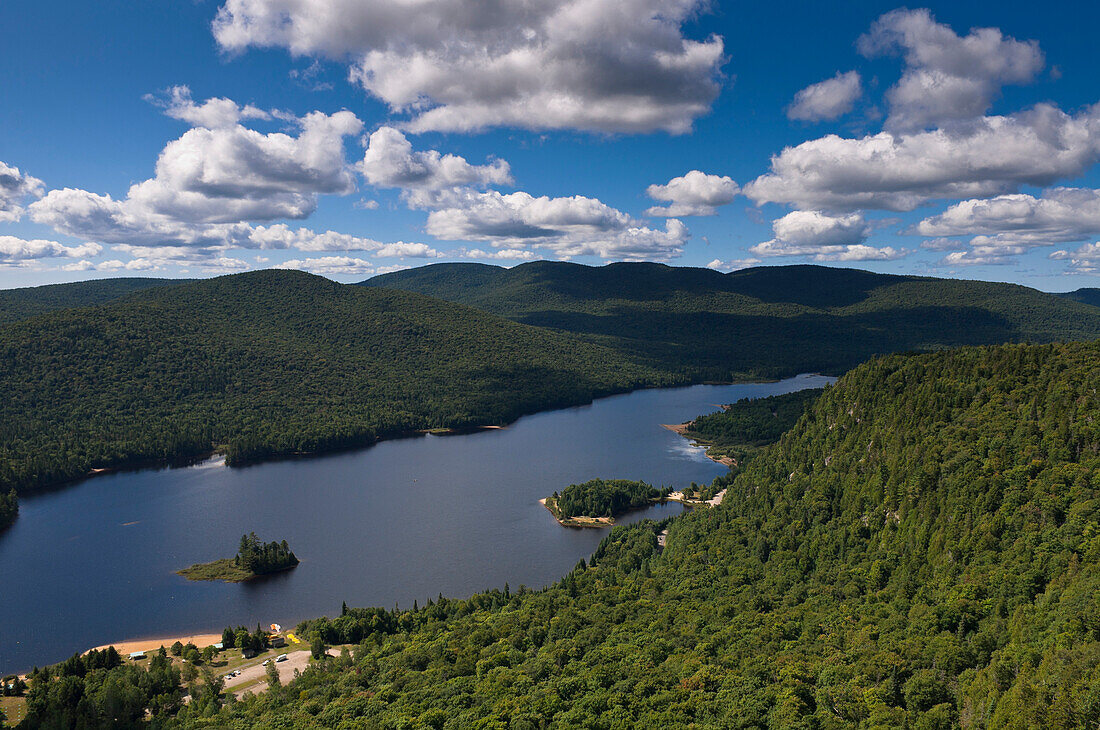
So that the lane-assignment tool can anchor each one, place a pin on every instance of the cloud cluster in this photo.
(391, 162)
(893, 171)
(215, 113)
(16, 251)
(15, 189)
(515, 224)
(462, 65)
(1084, 260)
(822, 237)
(282, 236)
(695, 193)
(209, 182)
(947, 77)
(563, 227)
(1057, 216)
(826, 99)
(337, 265)
(732, 265)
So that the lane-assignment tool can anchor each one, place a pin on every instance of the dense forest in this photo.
(98, 690)
(740, 429)
(9, 508)
(17, 304)
(601, 498)
(763, 322)
(921, 549)
(272, 363)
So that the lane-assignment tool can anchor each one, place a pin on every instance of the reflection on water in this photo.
(402, 520)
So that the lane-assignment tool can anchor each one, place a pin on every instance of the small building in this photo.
(219, 646)
(135, 655)
(277, 641)
(248, 653)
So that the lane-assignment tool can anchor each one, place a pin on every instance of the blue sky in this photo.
(350, 137)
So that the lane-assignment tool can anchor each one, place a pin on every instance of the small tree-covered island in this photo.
(252, 560)
(597, 502)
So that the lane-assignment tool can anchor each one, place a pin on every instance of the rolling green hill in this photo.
(760, 322)
(270, 363)
(921, 550)
(17, 304)
(1085, 296)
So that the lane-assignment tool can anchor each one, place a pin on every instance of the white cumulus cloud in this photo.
(732, 265)
(563, 227)
(391, 162)
(20, 249)
(210, 181)
(1083, 260)
(827, 99)
(213, 113)
(331, 265)
(694, 193)
(462, 65)
(947, 77)
(15, 189)
(823, 237)
(1059, 215)
(989, 156)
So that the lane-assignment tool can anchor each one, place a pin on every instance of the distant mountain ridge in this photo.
(17, 304)
(759, 322)
(1085, 295)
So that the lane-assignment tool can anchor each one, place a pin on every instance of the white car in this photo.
(266, 662)
(281, 658)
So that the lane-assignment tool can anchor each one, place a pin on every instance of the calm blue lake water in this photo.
(402, 520)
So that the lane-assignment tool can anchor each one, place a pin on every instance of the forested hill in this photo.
(1085, 296)
(267, 363)
(922, 550)
(17, 304)
(759, 322)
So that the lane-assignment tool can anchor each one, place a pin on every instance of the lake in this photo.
(399, 521)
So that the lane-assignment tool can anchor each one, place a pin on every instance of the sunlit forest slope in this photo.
(921, 550)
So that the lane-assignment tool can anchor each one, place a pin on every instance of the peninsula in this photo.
(596, 503)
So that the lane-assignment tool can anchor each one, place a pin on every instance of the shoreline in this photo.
(579, 521)
(131, 645)
(682, 429)
(184, 460)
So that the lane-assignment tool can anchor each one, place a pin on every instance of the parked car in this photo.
(281, 658)
(266, 662)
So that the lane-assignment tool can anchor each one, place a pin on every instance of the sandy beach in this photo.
(132, 645)
(580, 521)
